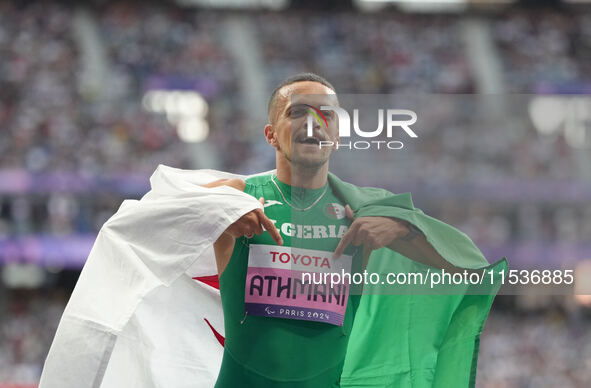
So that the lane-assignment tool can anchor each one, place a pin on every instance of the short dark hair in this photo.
(300, 77)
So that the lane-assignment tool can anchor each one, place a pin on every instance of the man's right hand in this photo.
(252, 222)
(248, 225)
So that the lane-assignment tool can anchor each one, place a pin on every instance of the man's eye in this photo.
(328, 114)
(297, 112)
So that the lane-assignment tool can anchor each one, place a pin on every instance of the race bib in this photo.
(297, 283)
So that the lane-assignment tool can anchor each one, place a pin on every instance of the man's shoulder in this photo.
(355, 195)
(259, 179)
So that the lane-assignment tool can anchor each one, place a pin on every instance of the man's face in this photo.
(289, 127)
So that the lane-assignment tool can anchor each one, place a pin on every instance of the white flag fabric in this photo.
(137, 318)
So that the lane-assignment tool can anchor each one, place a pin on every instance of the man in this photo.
(259, 351)
(145, 312)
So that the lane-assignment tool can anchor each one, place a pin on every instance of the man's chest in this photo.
(282, 281)
(321, 226)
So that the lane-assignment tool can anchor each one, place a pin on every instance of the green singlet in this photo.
(278, 352)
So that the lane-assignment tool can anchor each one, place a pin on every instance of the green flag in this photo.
(415, 338)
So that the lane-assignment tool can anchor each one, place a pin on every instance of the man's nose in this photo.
(312, 124)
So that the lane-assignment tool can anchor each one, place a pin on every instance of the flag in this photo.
(146, 311)
(415, 338)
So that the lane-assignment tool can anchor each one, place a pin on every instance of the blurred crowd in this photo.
(368, 53)
(541, 350)
(27, 325)
(544, 48)
(40, 114)
(168, 46)
(504, 148)
(491, 224)
(52, 120)
(55, 214)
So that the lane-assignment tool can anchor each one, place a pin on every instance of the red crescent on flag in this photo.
(212, 281)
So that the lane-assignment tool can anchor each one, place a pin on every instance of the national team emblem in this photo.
(334, 210)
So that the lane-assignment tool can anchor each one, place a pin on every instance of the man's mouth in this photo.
(309, 139)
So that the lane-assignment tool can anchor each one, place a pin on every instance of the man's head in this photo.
(290, 104)
(276, 97)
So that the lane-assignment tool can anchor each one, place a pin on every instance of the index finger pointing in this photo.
(344, 243)
(269, 226)
(349, 212)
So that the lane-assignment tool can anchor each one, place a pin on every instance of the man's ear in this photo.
(270, 135)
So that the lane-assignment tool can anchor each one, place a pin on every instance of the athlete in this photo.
(300, 210)
(279, 332)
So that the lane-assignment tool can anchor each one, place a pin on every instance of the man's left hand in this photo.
(371, 232)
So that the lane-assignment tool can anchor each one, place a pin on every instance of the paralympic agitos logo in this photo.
(395, 119)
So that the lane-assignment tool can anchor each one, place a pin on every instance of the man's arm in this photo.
(379, 232)
(248, 225)
(419, 249)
